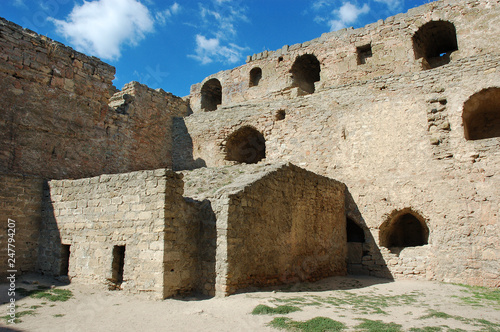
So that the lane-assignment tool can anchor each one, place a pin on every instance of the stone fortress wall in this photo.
(404, 112)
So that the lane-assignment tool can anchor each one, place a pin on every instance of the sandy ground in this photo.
(91, 309)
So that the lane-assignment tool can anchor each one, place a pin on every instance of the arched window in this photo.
(404, 229)
(481, 115)
(255, 76)
(435, 41)
(211, 95)
(305, 71)
(246, 145)
(354, 232)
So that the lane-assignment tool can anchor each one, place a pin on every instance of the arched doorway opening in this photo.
(211, 95)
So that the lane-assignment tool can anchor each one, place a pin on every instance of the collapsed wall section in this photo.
(20, 209)
(122, 230)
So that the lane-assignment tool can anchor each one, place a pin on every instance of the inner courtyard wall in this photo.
(56, 122)
(397, 142)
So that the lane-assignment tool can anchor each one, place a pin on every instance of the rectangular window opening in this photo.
(364, 52)
(117, 265)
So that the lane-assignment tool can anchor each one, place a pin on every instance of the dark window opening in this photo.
(117, 265)
(305, 71)
(280, 115)
(364, 52)
(280, 59)
(255, 76)
(65, 253)
(481, 115)
(404, 230)
(211, 95)
(354, 232)
(246, 145)
(435, 41)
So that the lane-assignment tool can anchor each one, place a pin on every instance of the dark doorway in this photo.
(354, 232)
(65, 253)
(118, 264)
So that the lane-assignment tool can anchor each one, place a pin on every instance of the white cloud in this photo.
(392, 4)
(347, 14)
(19, 3)
(219, 20)
(163, 16)
(210, 49)
(101, 27)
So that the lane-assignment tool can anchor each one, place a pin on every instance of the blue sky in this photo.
(174, 44)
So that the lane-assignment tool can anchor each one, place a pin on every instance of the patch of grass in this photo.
(19, 314)
(481, 296)
(427, 329)
(369, 325)
(436, 314)
(263, 309)
(317, 324)
(35, 306)
(53, 295)
(59, 315)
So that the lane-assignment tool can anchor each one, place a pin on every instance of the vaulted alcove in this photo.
(246, 145)
(481, 115)
(435, 41)
(211, 95)
(305, 71)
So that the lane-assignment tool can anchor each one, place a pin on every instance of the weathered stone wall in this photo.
(142, 211)
(20, 201)
(56, 122)
(275, 224)
(391, 52)
(396, 139)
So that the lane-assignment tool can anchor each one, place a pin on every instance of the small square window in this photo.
(364, 52)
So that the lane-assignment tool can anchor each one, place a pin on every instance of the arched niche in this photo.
(255, 76)
(211, 95)
(435, 41)
(305, 71)
(246, 145)
(481, 115)
(404, 228)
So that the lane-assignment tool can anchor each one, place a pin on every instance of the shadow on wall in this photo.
(363, 254)
(54, 255)
(182, 151)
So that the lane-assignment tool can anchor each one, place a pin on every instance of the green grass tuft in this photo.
(436, 314)
(53, 294)
(262, 309)
(427, 329)
(377, 326)
(317, 324)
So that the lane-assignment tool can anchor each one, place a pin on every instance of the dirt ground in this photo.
(414, 305)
